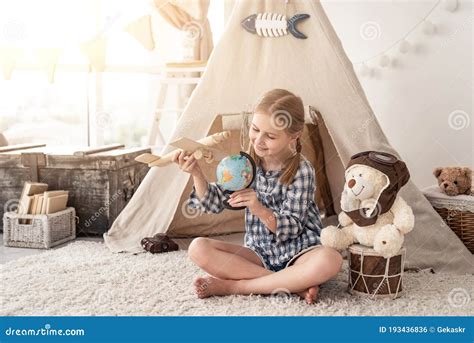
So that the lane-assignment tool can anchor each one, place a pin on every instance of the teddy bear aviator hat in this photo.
(398, 176)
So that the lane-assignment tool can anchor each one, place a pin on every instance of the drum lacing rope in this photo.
(385, 276)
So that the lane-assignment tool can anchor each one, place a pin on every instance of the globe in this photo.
(235, 172)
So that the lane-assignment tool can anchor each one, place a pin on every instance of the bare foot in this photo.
(207, 286)
(310, 294)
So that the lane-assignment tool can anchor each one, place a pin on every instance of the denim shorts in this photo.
(284, 265)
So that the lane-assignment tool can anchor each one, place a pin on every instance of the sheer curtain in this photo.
(189, 15)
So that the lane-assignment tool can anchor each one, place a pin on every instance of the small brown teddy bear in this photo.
(454, 180)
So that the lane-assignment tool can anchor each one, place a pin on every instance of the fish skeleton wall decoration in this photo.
(273, 24)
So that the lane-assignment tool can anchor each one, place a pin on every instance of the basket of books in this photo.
(42, 219)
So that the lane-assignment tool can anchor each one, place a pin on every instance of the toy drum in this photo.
(372, 274)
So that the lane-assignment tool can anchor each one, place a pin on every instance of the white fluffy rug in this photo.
(84, 278)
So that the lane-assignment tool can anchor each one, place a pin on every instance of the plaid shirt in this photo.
(297, 216)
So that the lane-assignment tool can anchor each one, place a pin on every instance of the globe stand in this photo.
(226, 202)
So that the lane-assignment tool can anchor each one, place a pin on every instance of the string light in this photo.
(428, 27)
(450, 5)
(403, 45)
(384, 61)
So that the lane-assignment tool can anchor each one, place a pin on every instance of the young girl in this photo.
(282, 248)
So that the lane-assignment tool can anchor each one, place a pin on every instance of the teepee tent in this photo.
(241, 68)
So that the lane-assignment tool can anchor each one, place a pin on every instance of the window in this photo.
(34, 111)
(81, 108)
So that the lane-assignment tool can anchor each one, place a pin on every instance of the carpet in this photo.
(85, 279)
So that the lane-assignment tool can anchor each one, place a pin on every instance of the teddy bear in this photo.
(373, 214)
(454, 180)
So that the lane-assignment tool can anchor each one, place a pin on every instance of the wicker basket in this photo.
(44, 232)
(456, 211)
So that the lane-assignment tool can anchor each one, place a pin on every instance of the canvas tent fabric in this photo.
(241, 68)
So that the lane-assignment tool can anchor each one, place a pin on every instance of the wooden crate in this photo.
(100, 181)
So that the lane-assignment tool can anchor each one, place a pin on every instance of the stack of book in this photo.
(35, 199)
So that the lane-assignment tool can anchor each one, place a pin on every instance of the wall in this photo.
(424, 100)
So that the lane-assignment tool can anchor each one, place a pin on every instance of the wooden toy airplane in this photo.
(202, 148)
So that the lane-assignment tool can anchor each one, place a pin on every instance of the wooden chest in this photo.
(100, 181)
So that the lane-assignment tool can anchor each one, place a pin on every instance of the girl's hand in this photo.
(187, 162)
(246, 197)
